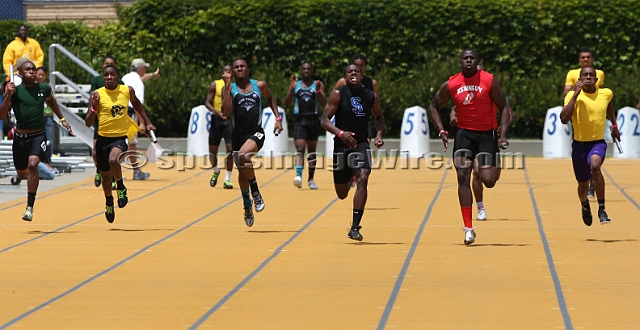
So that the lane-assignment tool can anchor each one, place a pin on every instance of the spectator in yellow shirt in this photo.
(22, 46)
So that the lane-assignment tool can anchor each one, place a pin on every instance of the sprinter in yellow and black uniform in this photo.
(109, 105)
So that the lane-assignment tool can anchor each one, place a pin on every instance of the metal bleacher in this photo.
(73, 100)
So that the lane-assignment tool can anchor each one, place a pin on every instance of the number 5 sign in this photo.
(415, 132)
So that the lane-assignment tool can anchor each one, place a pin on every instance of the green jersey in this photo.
(28, 105)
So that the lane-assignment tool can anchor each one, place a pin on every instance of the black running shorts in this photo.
(306, 128)
(346, 161)
(104, 145)
(220, 129)
(475, 144)
(238, 138)
(26, 145)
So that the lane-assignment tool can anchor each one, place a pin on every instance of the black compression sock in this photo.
(109, 200)
(31, 198)
(357, 216)
(120, 184)
(253, 185)
(600, 205)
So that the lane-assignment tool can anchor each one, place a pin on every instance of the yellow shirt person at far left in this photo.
(22, 46)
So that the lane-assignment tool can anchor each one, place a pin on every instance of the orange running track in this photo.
(180, 256)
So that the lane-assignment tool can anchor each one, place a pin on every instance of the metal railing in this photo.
(77, 123)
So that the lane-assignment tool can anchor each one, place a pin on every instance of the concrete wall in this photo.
(531, 148)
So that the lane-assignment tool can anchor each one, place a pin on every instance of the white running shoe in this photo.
(297, 181)
(312, 185)
(258, 201)
(469, 235)
(482, 215)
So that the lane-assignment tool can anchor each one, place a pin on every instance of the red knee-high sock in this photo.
(466, 216)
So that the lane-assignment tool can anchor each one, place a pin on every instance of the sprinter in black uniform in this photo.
(308, 93)
(368, 83)
(30, 142)
(352, 105)
(242, 102)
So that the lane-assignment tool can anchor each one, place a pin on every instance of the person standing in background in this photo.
(22, 46)
(135, 79)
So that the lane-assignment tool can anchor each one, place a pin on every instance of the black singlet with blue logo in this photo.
(354, 111)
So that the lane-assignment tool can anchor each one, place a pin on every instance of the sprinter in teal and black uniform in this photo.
(242, 102)
(307, 93)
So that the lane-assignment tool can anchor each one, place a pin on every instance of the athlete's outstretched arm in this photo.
(94, 103)
(615, 134)
(501, 102)
(53, 104)
(264, 90)
(441, 99)
(6, 103)
(567, 110)
(227, 105)
(379, 119)
(328, 113)
(293, 81)
(322, 97)
(139, 109)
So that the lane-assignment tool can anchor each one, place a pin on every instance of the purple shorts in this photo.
(581, 157)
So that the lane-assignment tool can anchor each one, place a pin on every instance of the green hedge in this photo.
(412, 47)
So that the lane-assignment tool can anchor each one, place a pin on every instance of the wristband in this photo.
(441, 131)
(151, 74)
(340, 134)
(279, 118)
(62, 119)
(614, 126)
(93, 110)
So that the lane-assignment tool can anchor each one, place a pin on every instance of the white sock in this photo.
(216, 169)
(228, 176)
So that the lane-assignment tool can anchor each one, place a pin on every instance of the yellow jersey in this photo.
(217, 99)
(574, 75)
(113, 120)
(590, 114)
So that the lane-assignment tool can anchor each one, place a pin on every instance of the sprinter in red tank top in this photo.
(475, 94)
(476, 184)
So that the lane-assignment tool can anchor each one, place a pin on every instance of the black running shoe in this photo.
(97, 181)
(123, 197)
(259, 202)
(248, 217)
(214, 179)
(604, 218)
(109, 213)
(354, 233)
(586, 215)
